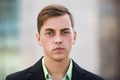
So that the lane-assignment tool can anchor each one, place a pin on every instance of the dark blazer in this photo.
(36, 73)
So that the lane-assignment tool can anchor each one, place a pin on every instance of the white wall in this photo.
(85, 52)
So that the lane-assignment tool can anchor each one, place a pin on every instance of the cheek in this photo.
(46, 42)
(68, 41)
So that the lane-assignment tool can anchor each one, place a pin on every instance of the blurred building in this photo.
(109, 29)
(9, 36)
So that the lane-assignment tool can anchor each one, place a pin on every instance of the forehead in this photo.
(57, 23)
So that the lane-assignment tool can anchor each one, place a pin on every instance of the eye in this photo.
(49, 33)
(65, 32)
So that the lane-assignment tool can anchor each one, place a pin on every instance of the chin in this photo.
(59, 57)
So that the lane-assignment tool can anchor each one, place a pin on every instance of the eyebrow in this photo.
(50, 29)
(65, 29)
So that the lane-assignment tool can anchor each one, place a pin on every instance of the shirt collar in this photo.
(68, 74)
(46, 74)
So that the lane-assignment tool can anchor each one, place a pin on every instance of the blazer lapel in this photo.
(36, 72)
(77, 73)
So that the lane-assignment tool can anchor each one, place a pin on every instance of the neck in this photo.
(57, 69)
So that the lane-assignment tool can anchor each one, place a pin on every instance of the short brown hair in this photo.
(52, 10)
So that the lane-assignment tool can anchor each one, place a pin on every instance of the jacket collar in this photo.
(36, 72)
(77, 73)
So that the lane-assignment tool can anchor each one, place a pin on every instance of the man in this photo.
(56, 35)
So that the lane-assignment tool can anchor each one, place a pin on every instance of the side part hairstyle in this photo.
(53, 10)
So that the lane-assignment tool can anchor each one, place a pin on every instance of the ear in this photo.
(74, 37)
(38, 39)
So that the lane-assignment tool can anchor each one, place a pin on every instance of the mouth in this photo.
(59, 49)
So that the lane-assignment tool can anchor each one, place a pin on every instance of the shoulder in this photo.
(20, 75)
(84, 74)
(32, 73)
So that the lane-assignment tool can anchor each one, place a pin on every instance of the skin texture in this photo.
(57, 37)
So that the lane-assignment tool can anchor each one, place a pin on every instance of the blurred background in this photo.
(97, 23)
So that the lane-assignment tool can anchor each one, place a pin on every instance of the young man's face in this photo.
(57, 37)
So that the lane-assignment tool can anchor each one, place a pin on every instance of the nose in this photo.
(58, 39)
